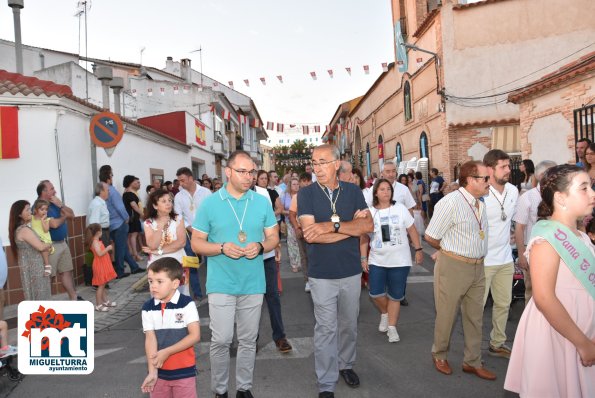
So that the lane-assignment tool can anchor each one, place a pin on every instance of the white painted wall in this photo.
(548, 138)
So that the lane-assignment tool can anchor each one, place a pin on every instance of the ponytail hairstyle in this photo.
(555, 179)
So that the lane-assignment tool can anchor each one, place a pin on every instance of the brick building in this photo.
(446, 96)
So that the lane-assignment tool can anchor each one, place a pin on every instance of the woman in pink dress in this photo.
(554, 347)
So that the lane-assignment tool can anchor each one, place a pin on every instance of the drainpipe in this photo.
(16, 6)
(58, 160)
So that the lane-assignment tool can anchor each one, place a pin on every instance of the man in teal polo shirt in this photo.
(233, 227)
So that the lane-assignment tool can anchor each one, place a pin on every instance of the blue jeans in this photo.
(194, 280)
(120, 238)
(388, 281)
(272, 298)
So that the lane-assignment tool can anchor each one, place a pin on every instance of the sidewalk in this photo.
(121, 292)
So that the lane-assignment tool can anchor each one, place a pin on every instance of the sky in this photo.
(240, 39)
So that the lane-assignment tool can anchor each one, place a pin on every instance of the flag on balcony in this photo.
(200, 131)
(255, 123)
(280, 127)
(9, 132)
(313, 75)
(317, 129)
(305, 130)
(367, 69)
(385, 66)
(270, 126)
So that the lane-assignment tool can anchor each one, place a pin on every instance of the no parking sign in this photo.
(106, 129)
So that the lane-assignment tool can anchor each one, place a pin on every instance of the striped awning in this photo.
(507, 138)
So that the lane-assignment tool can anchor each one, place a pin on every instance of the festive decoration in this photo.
(200, 132)
(9, 132)
(280, 127)
(162, 90)
(367, 69)
(150, 92)
(313, 75)
(230, 83)
(385, 67)
(270, 125)
(330, 73)
(176, 90)
(133, 91)
(280, 78)
(306, 130)
(247, 82)
(348, 69)
(263, 81)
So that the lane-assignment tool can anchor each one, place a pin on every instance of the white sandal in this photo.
(109, 303)
(47, 270)
(101, 308)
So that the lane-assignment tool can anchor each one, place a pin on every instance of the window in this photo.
(399, 153)
(423, 146)
(407, 101)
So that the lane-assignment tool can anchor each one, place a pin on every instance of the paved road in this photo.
(389, 370)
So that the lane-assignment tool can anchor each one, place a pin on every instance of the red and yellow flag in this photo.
(9, 132)
(200, 131)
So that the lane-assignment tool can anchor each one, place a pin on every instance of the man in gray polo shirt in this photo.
(333, 215)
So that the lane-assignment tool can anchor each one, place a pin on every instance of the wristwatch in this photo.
(337, 225)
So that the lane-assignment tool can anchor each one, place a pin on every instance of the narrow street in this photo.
(400, 369)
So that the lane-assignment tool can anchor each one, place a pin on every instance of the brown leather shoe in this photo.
(283, 345)
(479, 372)
(442, 365)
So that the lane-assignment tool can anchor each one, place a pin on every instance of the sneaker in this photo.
(404, 302)
(244, 394)
(307, 287)
(383, 326)
(8, 351)
(503, 351)
(392, 334)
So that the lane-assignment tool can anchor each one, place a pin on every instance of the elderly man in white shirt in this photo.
(97, 213)
(401, 194)
(186, 201)
(498, 263)
(524, 218)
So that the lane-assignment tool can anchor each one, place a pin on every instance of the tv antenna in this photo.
(199, 51)
(83, 8)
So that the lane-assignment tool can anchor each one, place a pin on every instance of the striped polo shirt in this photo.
(170, 322)
(455, 224)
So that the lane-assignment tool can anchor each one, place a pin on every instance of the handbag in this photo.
(190, 261)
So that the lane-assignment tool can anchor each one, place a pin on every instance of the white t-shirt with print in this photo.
(396, 252)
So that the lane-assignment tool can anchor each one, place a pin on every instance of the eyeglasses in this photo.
(484, 178)
(245, 173)
(323, 163)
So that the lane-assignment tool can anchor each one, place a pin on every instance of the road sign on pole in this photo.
(106, 129)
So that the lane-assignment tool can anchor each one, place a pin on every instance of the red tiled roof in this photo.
(15, 83)
(485, 123)
(577, 67)
(478, 3)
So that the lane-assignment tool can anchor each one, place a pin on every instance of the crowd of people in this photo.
(343, 230)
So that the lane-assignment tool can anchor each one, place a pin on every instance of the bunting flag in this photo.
(162, 90)
(385, 66)
(330, 73)
(313, 75)
(225, 115)
(263, 81)
(306, 130)
(215, 84)
(176, 90)
(367, 69)
(270, 126)
(150, 92)
(348, 69)
(185, 88)
(247, 82)
(280, 127)
(133, 92)
(9, 132)
(212, 108)
(200, 132)
(420, 61)
(280, 78)
(317, 129)
(230, 83)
